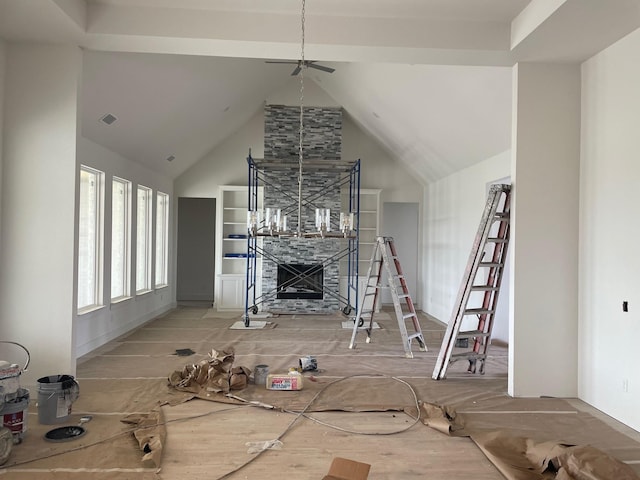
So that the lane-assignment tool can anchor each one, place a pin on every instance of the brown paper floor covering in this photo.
(206, 439)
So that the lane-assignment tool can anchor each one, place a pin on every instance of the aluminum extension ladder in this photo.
(483, 276)
(384, 253)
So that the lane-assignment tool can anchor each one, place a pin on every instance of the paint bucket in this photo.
(14, 415)
(56, 394)
(260, 375)
(308, 363)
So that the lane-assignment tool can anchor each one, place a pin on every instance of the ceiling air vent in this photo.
(171, 158)
(108, 119)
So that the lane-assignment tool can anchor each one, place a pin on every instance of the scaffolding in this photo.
(345, 231)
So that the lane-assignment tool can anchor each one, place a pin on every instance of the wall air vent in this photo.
(108, 119)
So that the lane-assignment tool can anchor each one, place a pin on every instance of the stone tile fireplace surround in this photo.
(322, 141)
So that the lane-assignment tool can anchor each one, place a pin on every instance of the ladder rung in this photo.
(477, 311)
(490, 264)
(502, 217)
(409, 315)
(497, 240)
(484, 288)
(415, 335)
(472, 334)
(404, 295)
(475, 355)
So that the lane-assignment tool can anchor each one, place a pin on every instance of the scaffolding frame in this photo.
(348, 174)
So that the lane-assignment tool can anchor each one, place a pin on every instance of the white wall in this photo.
(452, 213)
(609, 232)
(544, 230)
(2, 74)
(100, 326)
(38, 198)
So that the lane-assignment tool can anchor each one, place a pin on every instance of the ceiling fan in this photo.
(306, 63)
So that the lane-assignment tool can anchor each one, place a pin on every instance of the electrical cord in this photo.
(303, 413)
(300, 414)
(355, 432)
(116, 435)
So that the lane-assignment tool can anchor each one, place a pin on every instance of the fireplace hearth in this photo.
(298, 281)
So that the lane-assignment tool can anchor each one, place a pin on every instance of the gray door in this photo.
(400, 221)
(196, 249)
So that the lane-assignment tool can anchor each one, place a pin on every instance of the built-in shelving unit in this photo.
(232, 247)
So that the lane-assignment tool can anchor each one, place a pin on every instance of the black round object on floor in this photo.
(64, 434)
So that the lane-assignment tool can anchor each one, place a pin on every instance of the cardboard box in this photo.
(284, 382)
(345, 469)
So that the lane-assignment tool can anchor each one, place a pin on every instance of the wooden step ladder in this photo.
(384, 255)
(483, 274)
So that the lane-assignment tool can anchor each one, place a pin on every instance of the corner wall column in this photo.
(37, 306)
(543, 308)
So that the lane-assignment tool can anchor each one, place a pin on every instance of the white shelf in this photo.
(233, 221)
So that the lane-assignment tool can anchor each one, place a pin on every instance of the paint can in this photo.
(260, 375)
(308, 363)
(14, 415)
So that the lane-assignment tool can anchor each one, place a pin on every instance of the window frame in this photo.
(125, 254)
(161, 277)
(97, 268)
(147, 246)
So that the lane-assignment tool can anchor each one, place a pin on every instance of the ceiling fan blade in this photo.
(296, 71)
(288, 62)
(321, 67)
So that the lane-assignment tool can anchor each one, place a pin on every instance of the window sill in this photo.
(119, 300)
(89, 309)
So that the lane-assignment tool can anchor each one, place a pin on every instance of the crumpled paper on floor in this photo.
(522, 458)
(442, 418)
(150, 434)
(215, 374)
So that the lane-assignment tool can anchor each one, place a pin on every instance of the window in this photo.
(90, 229)
(162, 239)
(143, 240)
(120, 239)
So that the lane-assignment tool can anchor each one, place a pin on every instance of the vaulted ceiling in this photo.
(430, 80)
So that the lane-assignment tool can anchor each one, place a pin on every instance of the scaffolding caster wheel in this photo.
(347, 309)
(254, 309)
(246, 321)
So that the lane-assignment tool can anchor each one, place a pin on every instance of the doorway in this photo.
(400, 221)
(196, 250)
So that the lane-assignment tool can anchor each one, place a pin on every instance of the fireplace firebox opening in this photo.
(298, 281)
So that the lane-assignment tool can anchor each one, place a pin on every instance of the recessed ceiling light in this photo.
(171, 158)
(108, 119)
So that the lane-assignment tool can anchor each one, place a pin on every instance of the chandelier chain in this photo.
(302, 65)
(300, 149)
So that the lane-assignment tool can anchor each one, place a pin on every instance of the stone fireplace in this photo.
(322, 141)
(298, 281)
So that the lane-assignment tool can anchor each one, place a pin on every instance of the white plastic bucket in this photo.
(56, 394)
